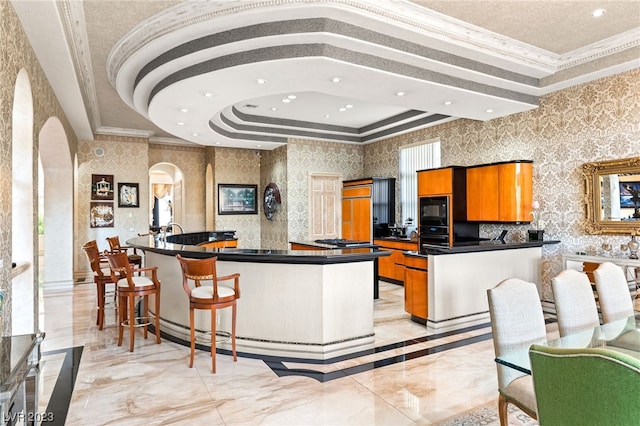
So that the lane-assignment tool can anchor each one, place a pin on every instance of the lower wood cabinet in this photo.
(300, 246)
(391, 268)
(220, 244)
(415, 287)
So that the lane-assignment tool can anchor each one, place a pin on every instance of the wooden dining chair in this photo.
(200, 282)
(134, 257)
(575, 302)
(614, 296)
(101, 276)
(585, 386)
(517, 321)
(129, 287)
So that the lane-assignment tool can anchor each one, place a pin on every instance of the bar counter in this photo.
(296, 303)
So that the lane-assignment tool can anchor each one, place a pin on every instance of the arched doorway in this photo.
(166, 192)
(57, 203)
(23, 286)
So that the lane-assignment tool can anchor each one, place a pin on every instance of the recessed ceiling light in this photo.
(448, 103)
(184, 110)
(208, 95)
(274, 109)
(286, 100)
(291, 96)
(180, 123)
(489, 110)
(261, 81)
(399, 93)
(336, 79)
(598, 13)
(195, 134)
(349, 106)
(342, 109)
(217, 143)
(327, 116)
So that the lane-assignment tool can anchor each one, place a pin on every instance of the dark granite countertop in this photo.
(325, 246)
(399, 239)
(318, 257)
(478, 246)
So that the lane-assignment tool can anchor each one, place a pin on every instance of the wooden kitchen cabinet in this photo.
(435, 182)
(500, 192)
(416, 288)
(365, 203)
(220, 244)
(391, 268)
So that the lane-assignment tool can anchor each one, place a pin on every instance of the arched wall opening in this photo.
(58, 204)
(23, 290)
(166, 194)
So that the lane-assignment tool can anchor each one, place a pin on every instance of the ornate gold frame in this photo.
(592, 172)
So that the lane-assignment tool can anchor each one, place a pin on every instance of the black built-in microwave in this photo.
(434, 211)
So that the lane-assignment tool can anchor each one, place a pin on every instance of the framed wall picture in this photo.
(102, 187)
(630, 194)
(237, 199)
(128, 195)
(101, 215)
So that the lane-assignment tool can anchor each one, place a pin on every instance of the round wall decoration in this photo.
(270, 200)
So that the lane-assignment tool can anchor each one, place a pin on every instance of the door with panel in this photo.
(324, 206)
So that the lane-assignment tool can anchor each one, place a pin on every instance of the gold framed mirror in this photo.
(612, 196)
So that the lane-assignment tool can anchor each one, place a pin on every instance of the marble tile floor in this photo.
(412, 378)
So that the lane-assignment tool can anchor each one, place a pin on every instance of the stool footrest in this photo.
(139, 322)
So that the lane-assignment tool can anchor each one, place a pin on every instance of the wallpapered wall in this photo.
(304, 157)
(591, 122)
(238, 166)
(126, 159)
(273, 169)
(17, 54)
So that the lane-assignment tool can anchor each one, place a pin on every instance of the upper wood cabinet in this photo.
(500, 192)
(435, 182)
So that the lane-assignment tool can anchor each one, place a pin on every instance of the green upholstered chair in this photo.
(517, 322)
(583, 386)
(575, 303)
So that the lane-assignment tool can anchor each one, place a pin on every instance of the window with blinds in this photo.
(414, 157)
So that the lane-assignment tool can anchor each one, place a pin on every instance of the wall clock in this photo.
(270, 200)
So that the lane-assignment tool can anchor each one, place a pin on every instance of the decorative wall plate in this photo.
(270, 200)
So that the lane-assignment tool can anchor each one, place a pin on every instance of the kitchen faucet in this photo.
(171, 225)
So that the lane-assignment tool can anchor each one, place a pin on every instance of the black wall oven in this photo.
(434, 220)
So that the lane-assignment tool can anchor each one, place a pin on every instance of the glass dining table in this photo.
(620, 336)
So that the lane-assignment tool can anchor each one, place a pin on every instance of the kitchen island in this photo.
(454, 280)
(297, 303)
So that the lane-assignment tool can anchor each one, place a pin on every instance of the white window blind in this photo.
(414, 157)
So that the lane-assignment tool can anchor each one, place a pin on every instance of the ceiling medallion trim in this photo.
(600, 49)
(433, 23)
(348, 56)
(72, 13)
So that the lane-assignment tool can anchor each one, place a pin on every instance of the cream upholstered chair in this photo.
(613, 292)
(575, 303)
(201, 283)
(517, 322)
(130, 287)
(586, 387)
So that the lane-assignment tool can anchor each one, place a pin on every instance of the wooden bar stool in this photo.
(101, 276)
(130, 286)
(114, 245)
(211, 297)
